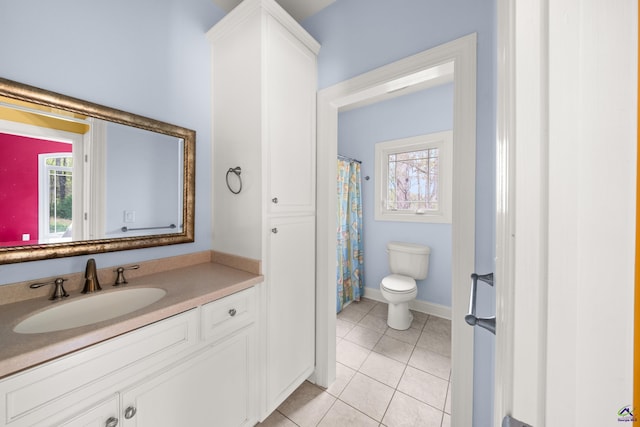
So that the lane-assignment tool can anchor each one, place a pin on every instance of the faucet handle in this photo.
(120, 279)
(58, 290)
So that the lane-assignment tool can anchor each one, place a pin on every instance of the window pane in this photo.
(413, 180)
(60, 194)
(65, 162)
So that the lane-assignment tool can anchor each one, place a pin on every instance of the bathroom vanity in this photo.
(187, 359)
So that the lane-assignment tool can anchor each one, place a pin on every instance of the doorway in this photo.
(411, 72)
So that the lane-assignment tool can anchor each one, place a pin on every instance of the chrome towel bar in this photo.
(125, 229)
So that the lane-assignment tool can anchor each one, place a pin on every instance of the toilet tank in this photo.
(409, 259)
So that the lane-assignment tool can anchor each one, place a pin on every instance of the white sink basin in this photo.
(88, 310)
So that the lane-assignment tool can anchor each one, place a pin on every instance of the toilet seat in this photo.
(398, 284)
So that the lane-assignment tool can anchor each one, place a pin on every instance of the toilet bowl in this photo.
(398, 290)
(407, 262)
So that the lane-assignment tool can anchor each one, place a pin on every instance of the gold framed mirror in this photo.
(80, 178)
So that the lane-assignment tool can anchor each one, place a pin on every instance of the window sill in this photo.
(413, 217)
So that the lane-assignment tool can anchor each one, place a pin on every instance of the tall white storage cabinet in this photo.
(264, 111)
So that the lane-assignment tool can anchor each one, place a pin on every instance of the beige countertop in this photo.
(186, 288)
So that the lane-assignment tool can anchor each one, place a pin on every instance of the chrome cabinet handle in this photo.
(232, 312)
(111, 422)
(274, 230)
(275, 200)
(130, 412)
(488, 323)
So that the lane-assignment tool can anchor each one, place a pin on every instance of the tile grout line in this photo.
(352, 407)
(389, 404)
(328, 410)
(293, 422)
(395, 390)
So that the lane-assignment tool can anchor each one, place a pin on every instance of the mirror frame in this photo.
(14, 254)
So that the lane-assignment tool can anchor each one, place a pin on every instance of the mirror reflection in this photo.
(67, 177)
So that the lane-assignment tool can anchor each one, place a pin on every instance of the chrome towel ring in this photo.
(237, 171)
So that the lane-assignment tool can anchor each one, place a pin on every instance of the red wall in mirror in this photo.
(19, 186)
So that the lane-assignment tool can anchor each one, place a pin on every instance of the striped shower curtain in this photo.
(349, 251)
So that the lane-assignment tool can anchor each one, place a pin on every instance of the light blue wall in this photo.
(143, 177)
(149, 57)
(360, 35)
(359, 130)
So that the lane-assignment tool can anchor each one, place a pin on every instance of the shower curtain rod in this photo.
(349, 158)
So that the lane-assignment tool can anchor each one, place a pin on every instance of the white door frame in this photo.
(462, 52)
(521, 282)
(521, 286)
(505, 221)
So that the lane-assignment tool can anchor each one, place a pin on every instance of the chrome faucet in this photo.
(58, 291)
(91, 283)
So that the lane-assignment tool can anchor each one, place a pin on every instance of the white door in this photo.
(565, 224)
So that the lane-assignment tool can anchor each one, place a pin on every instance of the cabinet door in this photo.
(290, 90)
(212, 388)
(291, 305)
(104, 414)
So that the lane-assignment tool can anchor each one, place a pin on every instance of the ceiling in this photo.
(299, 9)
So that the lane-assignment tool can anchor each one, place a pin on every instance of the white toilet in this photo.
(408, 262)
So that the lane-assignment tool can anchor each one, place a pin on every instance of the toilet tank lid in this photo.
(408, 247)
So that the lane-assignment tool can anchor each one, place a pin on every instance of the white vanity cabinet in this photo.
(217, 380)
(196, 368)
(220, 379)
(264, 84)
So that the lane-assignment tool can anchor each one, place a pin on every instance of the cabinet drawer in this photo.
(221, 317)
(95, 416)
(40, 392)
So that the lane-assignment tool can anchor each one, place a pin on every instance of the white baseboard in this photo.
(417, 305)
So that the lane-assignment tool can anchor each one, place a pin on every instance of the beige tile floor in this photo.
(384, 377)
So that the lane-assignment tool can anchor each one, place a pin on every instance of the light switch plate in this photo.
(129, 216)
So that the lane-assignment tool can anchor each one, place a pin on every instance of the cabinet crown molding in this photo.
(248, 8)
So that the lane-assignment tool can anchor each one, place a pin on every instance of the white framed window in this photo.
(55, 197)
(413, 178)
